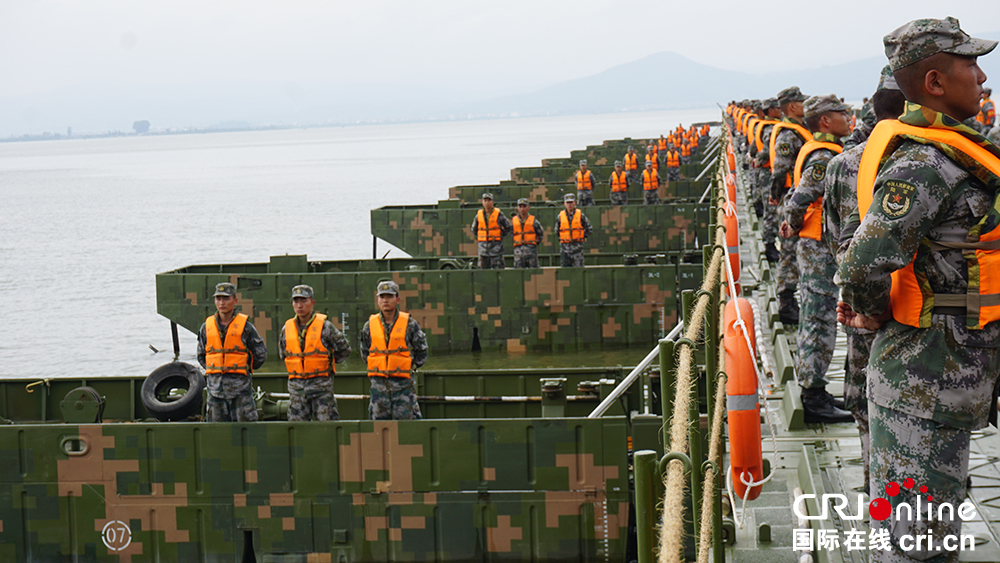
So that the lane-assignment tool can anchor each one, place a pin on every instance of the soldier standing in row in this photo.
(840, 218)
(393, 346)
(934, 362)
(311, 346)
(585, 182)
(631, 161)
(528, 235)
(786, 139)
(489, 227)
(573, 228)
(229, 349)
(672, 163)
(618, 182)
(828, 120)
(762, 162)
(650, 185)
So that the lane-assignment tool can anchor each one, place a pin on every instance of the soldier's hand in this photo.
(772, 201)
(786, 230)
(848, 317)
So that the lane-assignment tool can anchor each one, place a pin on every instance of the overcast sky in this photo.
(475, 48)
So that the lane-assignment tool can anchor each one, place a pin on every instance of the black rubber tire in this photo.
(175, 375)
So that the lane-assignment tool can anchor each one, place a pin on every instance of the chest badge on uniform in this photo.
(784, 149)
(818, 172)
(898, 198)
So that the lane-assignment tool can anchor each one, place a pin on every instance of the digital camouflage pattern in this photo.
(786, 150)
(526, 255)
(312, 399)
(572, 252)
(491, 252)
(619, 198)
(363, 491)
(762, 187)
(650, 197)
(393, 398)
(415, 338)
(230, 396)
(859, 348)
(817, 334)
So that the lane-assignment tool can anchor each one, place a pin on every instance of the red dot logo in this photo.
(909, 483)
(930, 498)
(879, 509)
(892, 489)
(923, 488)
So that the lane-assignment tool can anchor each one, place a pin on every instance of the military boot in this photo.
(817, 405)
(788, 308)
(771, 253)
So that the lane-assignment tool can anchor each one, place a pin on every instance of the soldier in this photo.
(573, 228)
(631, 164)
(987, 112)
(618, 182)
(762, 162)
(528, 234)
(652, 158)
(311, 347)
(672, 162)
(650, 185)
(394, 347)
(661, 144)
(229, 349)
(585, 182)
(934, 362)
(489, 227)
(840, 203)
(787, 138)
(828, 119)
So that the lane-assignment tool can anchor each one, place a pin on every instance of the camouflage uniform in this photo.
(312, 398)
(526, 255)
(619, 198)
(571, 253)
(787, 147)
(840, 204)
(817, 333)
(929, 388)
(994, 135)
(230, 396)
(395, 398)
(491, 252)
(762, 189)
(586, 197)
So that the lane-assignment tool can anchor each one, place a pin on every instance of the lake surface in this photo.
(86, 224)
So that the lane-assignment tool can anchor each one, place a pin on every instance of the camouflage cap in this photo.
(487, 195)
(770, 103)
(302, 291)
(631, 148)
(618, 163)
(649, 163)
(920, 39)
(583, 163)
(569, 197)
(225, 289)
(818, 105)
(791, 94)
(988, 91)
(387, 286)
(886, 81)
(523, 201)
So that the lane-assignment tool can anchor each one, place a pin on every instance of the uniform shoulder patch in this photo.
(897, 198)
(818, 172)
(785, 149)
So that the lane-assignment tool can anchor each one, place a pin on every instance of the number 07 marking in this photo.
(116, 535)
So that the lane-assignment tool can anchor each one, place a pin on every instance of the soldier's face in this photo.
(569, 205)
(303, 306)
(387, 302)
(963, 87)
(225, 304)
(522, 210)
(840, 124)
(488, 204)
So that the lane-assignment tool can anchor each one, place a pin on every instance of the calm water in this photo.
(86, 224)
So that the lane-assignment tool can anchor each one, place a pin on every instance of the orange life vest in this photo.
(619, 182)
(673, 159)
(685, 150)
(229, 357)
(650, 181)
(661, 144)
(987, 115)
(631, 161)
(751, 125)
(584, 181)
(652, 158)
(394, 360)
(524, 233)
(315, 360)
(488, 231)
(812, 223)
(802, 131)
(910, 298)
(568, 232)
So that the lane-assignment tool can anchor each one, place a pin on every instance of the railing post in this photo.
(668, 380)
(645, 504)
